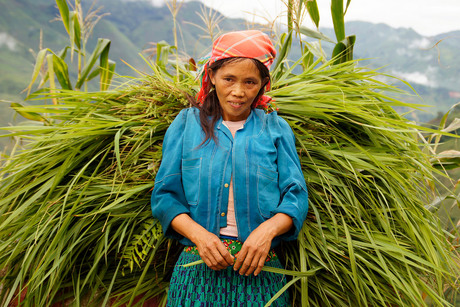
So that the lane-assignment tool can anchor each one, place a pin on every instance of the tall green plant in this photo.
(174, 7)
(52, 65)
(343, 49)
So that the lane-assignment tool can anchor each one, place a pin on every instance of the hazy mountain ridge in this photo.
(425, 60)
(428, 63)
(133, 25)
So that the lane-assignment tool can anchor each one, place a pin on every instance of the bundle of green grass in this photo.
(76, 226)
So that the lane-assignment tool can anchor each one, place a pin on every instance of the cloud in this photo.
(422, 43)
(415, 77)
(8, 41)
(427, 17)
(157, 3)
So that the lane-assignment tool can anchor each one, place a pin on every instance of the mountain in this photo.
(26, 26)
(132, 26)
(426, 62)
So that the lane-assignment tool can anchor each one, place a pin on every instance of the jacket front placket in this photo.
(227, 175)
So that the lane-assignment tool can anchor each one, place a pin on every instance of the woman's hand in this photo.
(213, 251)
(251, 258)
(210, 247)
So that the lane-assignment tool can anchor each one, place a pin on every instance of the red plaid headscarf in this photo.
(242, 44)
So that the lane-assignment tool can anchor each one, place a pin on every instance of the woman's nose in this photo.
(238, 90)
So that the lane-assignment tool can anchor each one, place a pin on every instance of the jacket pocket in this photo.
(268, 194)
(191, 169)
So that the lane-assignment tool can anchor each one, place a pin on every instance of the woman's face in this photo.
(237, 85)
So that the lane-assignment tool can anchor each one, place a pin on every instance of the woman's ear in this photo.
(211, 76)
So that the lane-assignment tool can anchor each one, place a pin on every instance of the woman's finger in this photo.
(246, 265)
(214, 254)
(240, 258)
(222, 260)
(209, 260)
(226, 258)
(260, 265)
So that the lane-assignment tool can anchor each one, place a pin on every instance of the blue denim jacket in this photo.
(267, 177)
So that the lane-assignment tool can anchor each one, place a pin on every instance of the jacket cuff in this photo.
(166, 220)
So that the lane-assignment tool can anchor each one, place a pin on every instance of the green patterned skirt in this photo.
(199, 285)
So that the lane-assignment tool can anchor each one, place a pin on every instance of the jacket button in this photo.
(226, 185)
(222, 214)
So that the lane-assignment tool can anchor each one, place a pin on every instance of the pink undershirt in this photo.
(231, 230)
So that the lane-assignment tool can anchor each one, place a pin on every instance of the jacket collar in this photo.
(220, 123)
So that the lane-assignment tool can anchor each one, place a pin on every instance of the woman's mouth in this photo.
(236, 104)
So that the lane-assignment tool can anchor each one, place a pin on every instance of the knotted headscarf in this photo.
(251, 44)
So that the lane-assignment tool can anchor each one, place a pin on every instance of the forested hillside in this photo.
(28, 25)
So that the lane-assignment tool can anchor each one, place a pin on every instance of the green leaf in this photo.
(38, 66)
(442, 125)
(281, 291)
(314, 34)
(112, 66)
(308, 59)
(449, 159)
(56, 67)
(351, 254)
(162, 56)
(312, 8)
(102, 44)
(75, 30)
(64, 12)
(116, 144)
(104, 82)
(93, 74)
(63, 53)
(454, 125)
(61, 72)
(286, 42)
(346, 8)
(338, 19)
(51, 75)
(339, 53)
(29, 115)
(96, 72)
(343, 51)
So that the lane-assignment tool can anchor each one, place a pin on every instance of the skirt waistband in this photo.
(233, 246)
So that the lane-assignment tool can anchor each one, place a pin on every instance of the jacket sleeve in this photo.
(168, 198)
(294, 195)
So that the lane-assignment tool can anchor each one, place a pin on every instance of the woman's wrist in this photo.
(279, 224)
(197, 233)
(186, 226)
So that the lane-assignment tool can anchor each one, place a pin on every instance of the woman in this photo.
(230, 186)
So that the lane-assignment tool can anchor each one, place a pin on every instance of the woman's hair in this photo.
(210, 110)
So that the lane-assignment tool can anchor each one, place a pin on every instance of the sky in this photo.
(427, 17)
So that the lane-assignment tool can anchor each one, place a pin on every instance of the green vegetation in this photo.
(75, 221)
(449, 209)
